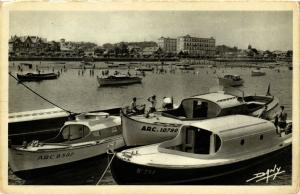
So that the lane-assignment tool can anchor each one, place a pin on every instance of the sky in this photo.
(264, 30)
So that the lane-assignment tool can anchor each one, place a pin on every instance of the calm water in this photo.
(80, 93)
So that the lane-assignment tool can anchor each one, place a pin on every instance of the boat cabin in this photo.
(223, 136)
(216, 104)
(91, 127)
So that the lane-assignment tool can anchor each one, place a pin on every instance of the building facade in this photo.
(168, 45)
(197, 47)
(31, 45)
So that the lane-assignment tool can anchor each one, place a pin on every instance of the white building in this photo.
(194, 46)
(168, 45)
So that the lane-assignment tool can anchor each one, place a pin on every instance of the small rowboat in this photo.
(37, 76)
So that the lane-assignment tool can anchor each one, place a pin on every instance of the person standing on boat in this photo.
(133, 105)
(153, 102)
(282, 116)
(263, 113)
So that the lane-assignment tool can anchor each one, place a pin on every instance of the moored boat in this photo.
(118, 80)
(86, 137)
(37, 76)
(162, 125)
(203, 150)
(231, 80)
(257, 73)
(145, 69)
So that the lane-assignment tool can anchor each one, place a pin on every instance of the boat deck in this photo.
(154, 118)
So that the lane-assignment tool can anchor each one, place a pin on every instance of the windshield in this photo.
(73, 132)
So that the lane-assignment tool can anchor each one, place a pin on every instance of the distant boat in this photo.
(258, 73)
(145, 69)
(36, 76)
(118, 80)
(186, 67)
(203, 150)
(86, 137)
(112, 65)
(87, 65)
(29, 65)
(231, 80)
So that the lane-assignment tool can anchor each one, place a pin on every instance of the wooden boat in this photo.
(163, 125)
(231, 80)
(203, 150)
(36, 76)
(145, 69)
(257, 73)
(86, 137)
(112, 65)
(118, 80)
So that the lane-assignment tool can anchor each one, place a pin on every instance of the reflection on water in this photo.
(80, 92)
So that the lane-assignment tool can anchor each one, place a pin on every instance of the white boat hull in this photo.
(141, 133)
(21, 161)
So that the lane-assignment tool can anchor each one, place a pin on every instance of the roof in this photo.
(221, 99)
(37, 115)
(98, 123)
(232, 126)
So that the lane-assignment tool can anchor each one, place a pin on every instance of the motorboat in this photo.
(36, 76)
(162, 125)
(88, 136)
(231, 80)
(202, 151)
(118, 80)
(257, 72)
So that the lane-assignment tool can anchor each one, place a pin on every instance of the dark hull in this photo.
(60, 174)
(127, 173)
(37, 77)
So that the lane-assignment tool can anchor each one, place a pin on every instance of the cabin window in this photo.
(197, 141)
(242, 142)
(217, 142)
(261, 137)
(73, 132)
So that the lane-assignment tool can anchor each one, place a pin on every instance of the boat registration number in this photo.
(161, 129)
(55, 156)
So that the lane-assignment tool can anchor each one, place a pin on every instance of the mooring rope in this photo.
(39, 94)
(106, 169)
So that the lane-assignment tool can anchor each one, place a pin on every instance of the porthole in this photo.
(261, 137)
(242, 142)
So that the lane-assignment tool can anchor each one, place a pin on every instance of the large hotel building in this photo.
(194, 46)
(168, 45)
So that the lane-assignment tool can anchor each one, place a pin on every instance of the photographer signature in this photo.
(270, 173)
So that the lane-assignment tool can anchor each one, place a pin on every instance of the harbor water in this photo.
(77, 90)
